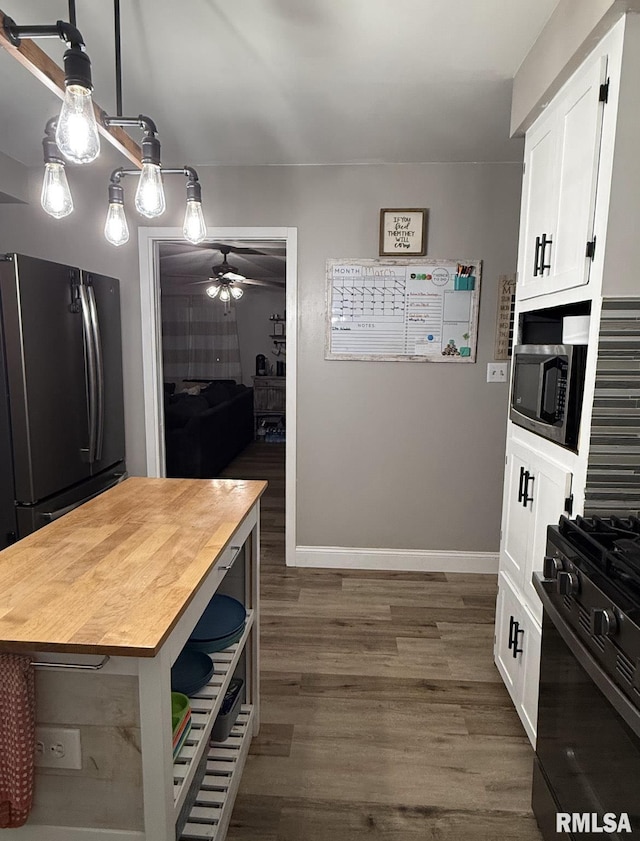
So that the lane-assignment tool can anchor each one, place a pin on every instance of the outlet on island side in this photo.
(497, 372)
(58, 747)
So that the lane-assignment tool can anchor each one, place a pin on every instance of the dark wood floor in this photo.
(383, 715)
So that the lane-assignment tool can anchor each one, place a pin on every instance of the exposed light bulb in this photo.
(150, 199)
(237, 292)
(116, 229)
(194, 228)
(76, 130)
(212, 291)
(225, 294)
(56, 196)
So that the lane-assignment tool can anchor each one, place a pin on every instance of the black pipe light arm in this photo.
(188, 171)
(49, 145)
(141, 121)
(77, 64)
(150, 143)
(60, 29)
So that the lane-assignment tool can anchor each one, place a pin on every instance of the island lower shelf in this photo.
(205, 706)
(210, 815)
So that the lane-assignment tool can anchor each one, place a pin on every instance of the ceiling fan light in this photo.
(212, 291)
(237, 292)
(225, 295)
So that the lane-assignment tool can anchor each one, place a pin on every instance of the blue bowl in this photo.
(191, 671)
(221, 624)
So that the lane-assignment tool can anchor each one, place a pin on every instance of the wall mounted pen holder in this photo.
(464, 283)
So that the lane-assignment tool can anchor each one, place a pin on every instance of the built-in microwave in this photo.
(546, 391)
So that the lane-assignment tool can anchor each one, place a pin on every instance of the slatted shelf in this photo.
(205, 706)
(209, 818)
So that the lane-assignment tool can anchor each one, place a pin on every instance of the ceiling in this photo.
(186, 268)
(254, 82)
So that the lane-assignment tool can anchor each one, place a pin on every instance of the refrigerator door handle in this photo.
(50, 516)
(89, 345)
(95, 325)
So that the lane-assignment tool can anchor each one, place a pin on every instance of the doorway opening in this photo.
(225, 364)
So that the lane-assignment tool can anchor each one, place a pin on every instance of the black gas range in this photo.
(588, 736)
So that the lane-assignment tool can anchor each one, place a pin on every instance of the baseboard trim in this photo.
(405, 560)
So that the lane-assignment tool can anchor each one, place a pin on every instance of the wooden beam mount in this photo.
(40, 65)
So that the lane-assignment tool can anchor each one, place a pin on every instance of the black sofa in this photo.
(205, 431)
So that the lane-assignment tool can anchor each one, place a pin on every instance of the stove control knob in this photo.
(603, 622)
(568, 584)
(551, 566)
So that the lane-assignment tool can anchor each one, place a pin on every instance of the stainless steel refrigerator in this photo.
(61, 407)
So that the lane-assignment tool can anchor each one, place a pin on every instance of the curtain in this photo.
(199, 339)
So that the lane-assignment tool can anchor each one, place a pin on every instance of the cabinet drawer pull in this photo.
(236, 550)
(511, 624)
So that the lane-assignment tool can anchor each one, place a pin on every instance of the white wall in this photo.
(393, 455)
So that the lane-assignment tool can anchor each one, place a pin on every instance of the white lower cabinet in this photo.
(517, 653)
(537, 491)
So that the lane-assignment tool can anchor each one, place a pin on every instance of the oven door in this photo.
(588, 737)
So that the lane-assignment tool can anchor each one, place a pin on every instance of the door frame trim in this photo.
(148, 242)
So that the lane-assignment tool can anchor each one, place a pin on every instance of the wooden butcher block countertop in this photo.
(115, 575)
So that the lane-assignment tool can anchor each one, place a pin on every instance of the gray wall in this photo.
(391, 455)
(254, 328)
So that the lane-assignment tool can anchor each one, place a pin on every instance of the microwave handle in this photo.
(545, 367)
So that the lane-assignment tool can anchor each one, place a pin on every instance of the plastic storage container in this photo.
(228, 711)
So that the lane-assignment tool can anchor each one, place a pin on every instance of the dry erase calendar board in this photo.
(419, 310)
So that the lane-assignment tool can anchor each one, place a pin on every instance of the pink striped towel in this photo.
(17, 738)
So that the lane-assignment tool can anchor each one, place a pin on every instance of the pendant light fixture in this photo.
(150, 200)
(74, 136)
(76, 128)
(56, 197)
(194, 228)
(116, 229)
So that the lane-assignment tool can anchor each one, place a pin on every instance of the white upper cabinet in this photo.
(559, 189)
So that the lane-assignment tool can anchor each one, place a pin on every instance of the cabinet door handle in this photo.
(511, 624)
(543, 252)
(536, 259)
(521, 485)
(526, 499)
(517, 630)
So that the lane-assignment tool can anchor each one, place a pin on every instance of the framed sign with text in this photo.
(403, 231)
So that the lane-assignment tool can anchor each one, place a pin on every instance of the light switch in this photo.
(497, 372)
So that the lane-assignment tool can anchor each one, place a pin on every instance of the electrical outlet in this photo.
(497, 372)
(58, 747)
